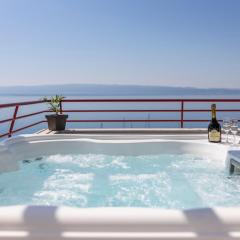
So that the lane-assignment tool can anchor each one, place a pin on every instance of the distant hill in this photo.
(112, 90)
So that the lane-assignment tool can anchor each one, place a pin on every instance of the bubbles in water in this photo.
(92, 180)
(139, 190)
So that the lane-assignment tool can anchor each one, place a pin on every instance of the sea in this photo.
(8, 112)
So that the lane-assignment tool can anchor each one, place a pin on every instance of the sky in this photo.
(193, 43)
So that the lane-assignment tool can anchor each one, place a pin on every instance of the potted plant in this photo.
(56, 121)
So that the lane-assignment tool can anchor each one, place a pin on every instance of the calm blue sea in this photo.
(6, 113)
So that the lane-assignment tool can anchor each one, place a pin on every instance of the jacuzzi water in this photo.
(94, 180)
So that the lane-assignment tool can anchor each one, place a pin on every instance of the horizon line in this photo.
(116, 85)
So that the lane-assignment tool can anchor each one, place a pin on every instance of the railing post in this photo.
(182, 112)
(13, 121)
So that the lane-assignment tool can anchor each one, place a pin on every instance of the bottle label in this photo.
(214, 136)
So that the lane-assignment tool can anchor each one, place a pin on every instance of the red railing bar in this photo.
(22, 128)
(148, 110)
(13, 121)
(211, 100)
(28, 126)
(141, 120)
(4, 135)
(21, 103)
(125, 120)
(5, 120)
(122, 110)
(24, 116)
(120, 100)
(32, 114)
(150, 100)
(208, 110)
(200, 120)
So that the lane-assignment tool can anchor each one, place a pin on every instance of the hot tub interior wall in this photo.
(19, 149)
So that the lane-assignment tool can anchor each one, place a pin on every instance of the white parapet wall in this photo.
(56, 223)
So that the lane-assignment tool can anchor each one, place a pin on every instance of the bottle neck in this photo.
(214, 117)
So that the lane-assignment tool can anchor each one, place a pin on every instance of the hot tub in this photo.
(117, 187)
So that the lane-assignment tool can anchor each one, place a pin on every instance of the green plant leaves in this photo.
(54, 103)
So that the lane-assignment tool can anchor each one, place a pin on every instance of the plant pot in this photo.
(56, 122)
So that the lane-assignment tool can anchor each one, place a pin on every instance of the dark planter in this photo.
(56, 122)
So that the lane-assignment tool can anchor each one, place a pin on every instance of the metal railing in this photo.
(180, 109)
(16, 106)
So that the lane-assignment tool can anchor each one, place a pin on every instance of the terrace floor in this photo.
(148, 131)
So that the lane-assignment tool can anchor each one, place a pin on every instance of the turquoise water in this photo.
(89, 180)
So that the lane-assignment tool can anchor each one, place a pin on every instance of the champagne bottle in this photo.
(214, 128)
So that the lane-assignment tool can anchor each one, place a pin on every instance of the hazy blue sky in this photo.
(163, 42)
